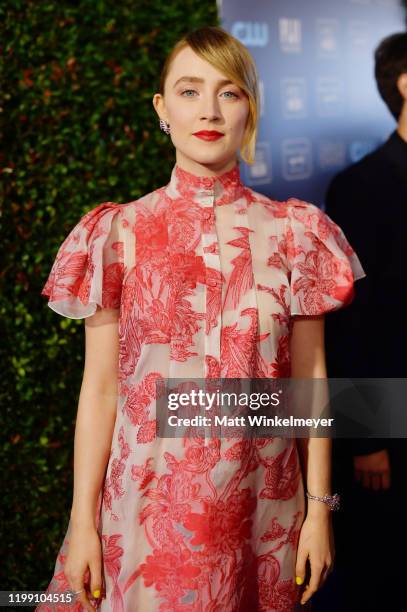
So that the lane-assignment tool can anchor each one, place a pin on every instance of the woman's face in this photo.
(200, 98)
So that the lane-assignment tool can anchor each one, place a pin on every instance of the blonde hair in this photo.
(228, 55)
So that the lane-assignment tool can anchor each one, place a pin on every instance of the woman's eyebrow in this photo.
(193, 79)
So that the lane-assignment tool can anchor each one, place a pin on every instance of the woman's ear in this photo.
(159, 105)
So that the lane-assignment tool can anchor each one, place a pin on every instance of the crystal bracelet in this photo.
(333, 501)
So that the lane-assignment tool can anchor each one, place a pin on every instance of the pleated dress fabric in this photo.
(208, 276)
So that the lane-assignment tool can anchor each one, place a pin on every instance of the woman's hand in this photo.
(316, 541)
(84, 552)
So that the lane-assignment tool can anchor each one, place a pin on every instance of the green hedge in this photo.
(79, 128)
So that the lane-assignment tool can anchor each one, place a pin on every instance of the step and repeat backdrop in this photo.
(319, 106)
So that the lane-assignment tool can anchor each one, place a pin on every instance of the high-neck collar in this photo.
(224, 188)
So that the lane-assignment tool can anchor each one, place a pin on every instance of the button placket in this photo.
(212, 260)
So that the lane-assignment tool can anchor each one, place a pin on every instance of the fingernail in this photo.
(299, 580)
(96, 593)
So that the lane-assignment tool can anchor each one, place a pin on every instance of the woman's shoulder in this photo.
(145, 201)
(282, 208)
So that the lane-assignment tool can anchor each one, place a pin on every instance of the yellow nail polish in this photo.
(96, 594)
(299, 580)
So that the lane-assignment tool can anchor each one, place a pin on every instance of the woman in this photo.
(200, 278)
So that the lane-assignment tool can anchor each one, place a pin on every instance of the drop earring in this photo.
(165, 126)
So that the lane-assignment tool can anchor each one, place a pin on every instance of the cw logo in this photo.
(251, 33)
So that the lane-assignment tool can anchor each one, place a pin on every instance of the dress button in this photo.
(212, 282)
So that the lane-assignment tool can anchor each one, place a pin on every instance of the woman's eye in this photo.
(187, 91)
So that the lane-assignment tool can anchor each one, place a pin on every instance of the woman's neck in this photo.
(204, 169)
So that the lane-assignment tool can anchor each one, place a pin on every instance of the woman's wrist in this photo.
(317, 509)
(83, 520)
(332, 501)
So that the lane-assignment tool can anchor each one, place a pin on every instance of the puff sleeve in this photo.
(88, 268)
(322, 264)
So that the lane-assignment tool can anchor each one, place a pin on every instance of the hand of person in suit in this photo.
(373, 470)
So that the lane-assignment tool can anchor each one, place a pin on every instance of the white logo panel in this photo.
(293, 98)
(332, 154)
(358, 34)
(259, 173)
(296, 159)
(327, 37)
(330, 96)
(290, 33)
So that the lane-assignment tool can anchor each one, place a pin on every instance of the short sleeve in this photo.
(322, 264)
(88, 268)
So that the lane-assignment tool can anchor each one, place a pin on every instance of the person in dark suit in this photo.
(368, 339)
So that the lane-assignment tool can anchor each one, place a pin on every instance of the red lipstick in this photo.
(208, 135)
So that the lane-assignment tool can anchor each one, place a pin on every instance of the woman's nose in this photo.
(210, 108)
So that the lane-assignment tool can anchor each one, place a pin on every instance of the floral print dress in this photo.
(208, 275)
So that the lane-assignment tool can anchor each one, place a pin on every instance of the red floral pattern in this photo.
(207, 275)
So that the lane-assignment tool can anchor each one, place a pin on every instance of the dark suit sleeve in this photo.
(348, 331)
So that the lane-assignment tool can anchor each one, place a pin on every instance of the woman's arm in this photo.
(316, 542)
(96, 414)
(308, 361)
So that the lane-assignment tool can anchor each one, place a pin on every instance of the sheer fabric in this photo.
(208, 275)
